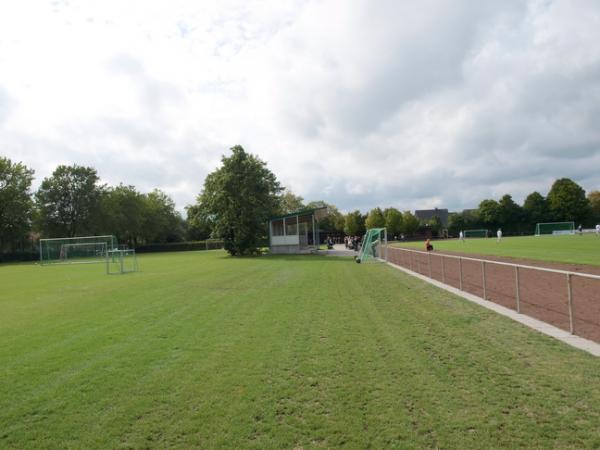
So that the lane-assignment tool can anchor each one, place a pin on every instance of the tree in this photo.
(435, 225)
(567, 201)
(68, 202)
(290, 202)
(333, 221)
(410, 223)
(123, 213)
(162, 222)
(393, 221)
(354, 224)
(15, 202)
(594, 199)
(375, 219)
(535, 209)
(510, 214)
(199, 225)
(240, 197)
(489, 213)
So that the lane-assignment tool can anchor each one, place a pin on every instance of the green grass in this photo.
(204, 351)
(578, 249)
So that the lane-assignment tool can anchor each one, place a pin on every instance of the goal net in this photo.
(121, 261)
(475, 233)
(555, 228)
(87, 249)
(374, 246)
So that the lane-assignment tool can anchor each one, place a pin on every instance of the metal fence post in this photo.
(443, 269)
(570, 290)
(429, 263)
(460, 273)
(518, 290)
(483, 274)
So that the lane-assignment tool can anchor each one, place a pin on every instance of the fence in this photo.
(567, 300)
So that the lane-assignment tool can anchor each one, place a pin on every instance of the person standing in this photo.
(598, 229)
(461, 236)
(499, 234)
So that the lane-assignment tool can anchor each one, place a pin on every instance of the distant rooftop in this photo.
(425, 215)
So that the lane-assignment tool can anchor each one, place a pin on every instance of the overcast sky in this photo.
(412, 104)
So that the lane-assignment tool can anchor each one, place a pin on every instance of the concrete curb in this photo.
(538, 325)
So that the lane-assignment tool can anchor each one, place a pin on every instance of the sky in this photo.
(435, 103)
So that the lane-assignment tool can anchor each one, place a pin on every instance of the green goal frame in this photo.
(374, 246)
(480, 233)
(554, 228)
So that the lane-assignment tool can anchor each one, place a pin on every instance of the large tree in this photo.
(594, 199)
(15, 202)
(535, 209)
(354, 224)
(393, 221)
(239, 197)
(68, 202)
(162, 222)
(510, 214)
(489, 213)
(567, 201)
(123, 213)
(375, 219)
(410, 223)
(290, 202)
(333, 221)
(199, 225)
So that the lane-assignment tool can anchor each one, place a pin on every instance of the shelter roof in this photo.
(319, 213)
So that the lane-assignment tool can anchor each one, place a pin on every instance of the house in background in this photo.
(425, 215)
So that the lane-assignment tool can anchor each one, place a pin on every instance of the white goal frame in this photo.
(51, 253)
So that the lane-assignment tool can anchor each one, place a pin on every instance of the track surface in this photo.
(543, 295)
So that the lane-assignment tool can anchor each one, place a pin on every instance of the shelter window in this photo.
(291, 227)
(277, 227)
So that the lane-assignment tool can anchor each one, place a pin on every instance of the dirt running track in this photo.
(543, 295)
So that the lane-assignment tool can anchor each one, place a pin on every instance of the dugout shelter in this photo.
(297, 232)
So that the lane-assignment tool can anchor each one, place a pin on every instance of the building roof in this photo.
(428, 214)
(319, 213)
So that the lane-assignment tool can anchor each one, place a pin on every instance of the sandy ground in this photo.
(542, 295)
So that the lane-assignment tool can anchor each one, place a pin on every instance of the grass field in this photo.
(578, 249)
(205, 351)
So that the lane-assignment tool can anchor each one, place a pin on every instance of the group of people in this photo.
(352, 242)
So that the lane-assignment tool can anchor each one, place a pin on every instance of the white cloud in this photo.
(411, 104)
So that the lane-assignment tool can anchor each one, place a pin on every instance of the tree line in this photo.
(234, 205)
(72, 202)
(566, 201)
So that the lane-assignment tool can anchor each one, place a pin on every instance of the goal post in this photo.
(554, 228)
(84, 249)
(374, 246)
(480, 233)
(121, 261)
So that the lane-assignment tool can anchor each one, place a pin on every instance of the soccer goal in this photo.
(374, 246)
(476, 233)
(555, 228)
(121, 261)
(86, 249)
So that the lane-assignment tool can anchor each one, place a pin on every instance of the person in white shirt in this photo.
(499, 234)
(598, 229)
(461, 236)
